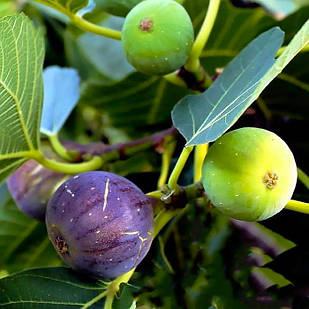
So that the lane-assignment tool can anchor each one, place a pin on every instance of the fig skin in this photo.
(249, 174)
(100, 224)
(31, 186)
(157, 36)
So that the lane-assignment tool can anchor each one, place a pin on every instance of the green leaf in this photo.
(49, 288)
(23, 241)
(21, 90)
(142, 100)
(65, 6)
(203, 118)
(7, 7)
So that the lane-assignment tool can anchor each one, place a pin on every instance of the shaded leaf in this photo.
(65, 5)
(48, 288)
(23, 241)
(142, 100)
(61, 93)
(21, 60)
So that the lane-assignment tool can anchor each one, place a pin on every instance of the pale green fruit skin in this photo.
(234, 170)
(120, 7)
(166, 47)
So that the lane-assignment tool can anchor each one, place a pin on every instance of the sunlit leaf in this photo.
(21, 91)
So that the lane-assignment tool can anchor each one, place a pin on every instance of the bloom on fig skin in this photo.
(100, 223)
(31, 186)
(157, 36)
(249, 174)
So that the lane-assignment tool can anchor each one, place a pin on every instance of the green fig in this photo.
(120, 7)
(157, 36)
(249, 174)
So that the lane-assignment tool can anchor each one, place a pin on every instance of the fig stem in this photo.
(114, 286)
(172, 182)
(200, 153)
(193, 62)
(303, 177)
(83, 24)
(68, 168)
(169, 148)
(298, 206)
(59, 148)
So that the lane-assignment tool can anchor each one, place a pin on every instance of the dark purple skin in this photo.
(100, 223)
(31, 186)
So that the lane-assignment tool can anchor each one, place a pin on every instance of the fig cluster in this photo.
(99, 223)
(157, 36)
(249, 174)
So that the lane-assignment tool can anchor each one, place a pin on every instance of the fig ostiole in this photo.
(249, 174)
(157, 36)
(100, 224)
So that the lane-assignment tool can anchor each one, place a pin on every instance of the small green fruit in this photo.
(249, 174)
(120, 7)
(157, 36)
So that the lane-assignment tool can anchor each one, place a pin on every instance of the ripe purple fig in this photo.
(100, 223)
(31, 186)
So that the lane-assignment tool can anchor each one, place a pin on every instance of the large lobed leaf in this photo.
(21, 91)
(205, 117)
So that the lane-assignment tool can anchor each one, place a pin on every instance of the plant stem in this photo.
(169, 148)
(114, 287)
(82, 23)
(199, 157)
(172, 182)
(162, 219)
(298, 206)
(90, 27)
(193, 62)
(58, 147)
(303, 177)
(69, 168)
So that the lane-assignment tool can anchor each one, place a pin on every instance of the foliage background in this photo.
(208, 261)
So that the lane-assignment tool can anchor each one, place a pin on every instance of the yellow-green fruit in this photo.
(157, 36)
(249, 174)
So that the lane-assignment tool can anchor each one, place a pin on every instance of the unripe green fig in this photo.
(249, 174)
(157, 36)
(120, 7)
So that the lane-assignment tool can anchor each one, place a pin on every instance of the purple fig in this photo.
(31, 186)
(100, 223)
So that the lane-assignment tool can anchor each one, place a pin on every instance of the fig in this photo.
(157, 36)
(100, 223)
(31, 186)
(249, 174)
